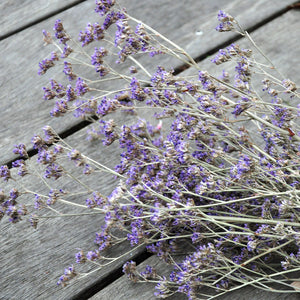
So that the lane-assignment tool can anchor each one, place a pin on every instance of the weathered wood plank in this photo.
(26, 245)
(123, 288)
(23, 110)
(15, 17)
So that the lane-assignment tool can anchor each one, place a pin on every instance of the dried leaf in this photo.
(296, 285)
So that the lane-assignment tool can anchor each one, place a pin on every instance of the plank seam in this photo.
(99, 285)
(39, 20)
(237, 37)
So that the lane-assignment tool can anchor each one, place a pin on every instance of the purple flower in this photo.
(22, 171)
(74, 155)
(68, 71)
(54, 56)
(98, 199)
(70, 93)
(87, 36)
(58, 88)
(45, 65)
(107, 128)
(98, 32)
(60, 33)
(12, 212)
(109, 20)
(282, 116)
(33, 221)
(97, 61)
(224, 17)
(122, 32)
(196, 237)
(48, 94)
(17, 163)
(14, 194)
(90, 203)
(46, 156)
(15, 213)
(59, 109)
(243, 70)
(97, 57)
(58, 149)
(21, 150)
(66, 51)
(80, 257)
(5, 172)
(149, 272)
(103, 239)
(85, 107)
(81, 87)
(53, 171)
(160, 76)
(50, 135)
(243, 166)
(68, 275)
(54, 195)
(103, 6)
(137, 92)
(87, 170)
(47, 37)
(93, 255)
(226, 22)
(38, 203)
(129, 268)
(207, 84)
(107, 106)
(221, 57)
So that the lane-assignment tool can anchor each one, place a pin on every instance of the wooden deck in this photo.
(32, 260)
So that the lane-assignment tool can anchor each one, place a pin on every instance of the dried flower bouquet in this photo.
(208, 162)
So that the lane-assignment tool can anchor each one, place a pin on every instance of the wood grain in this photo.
(31, 260)
(16, 17)
(24, 112)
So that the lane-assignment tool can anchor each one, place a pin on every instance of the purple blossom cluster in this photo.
(97, 61)
(10, 207)
(68, 71)
(133, 41)
(69, 273)
(60, 32)
(243, 66)
(226, 22)
(92, 32)
(46, 64)
(103, 6)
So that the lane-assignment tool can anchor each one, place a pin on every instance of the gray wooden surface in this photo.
(21, 92)
(31, 261)
(17, 15)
